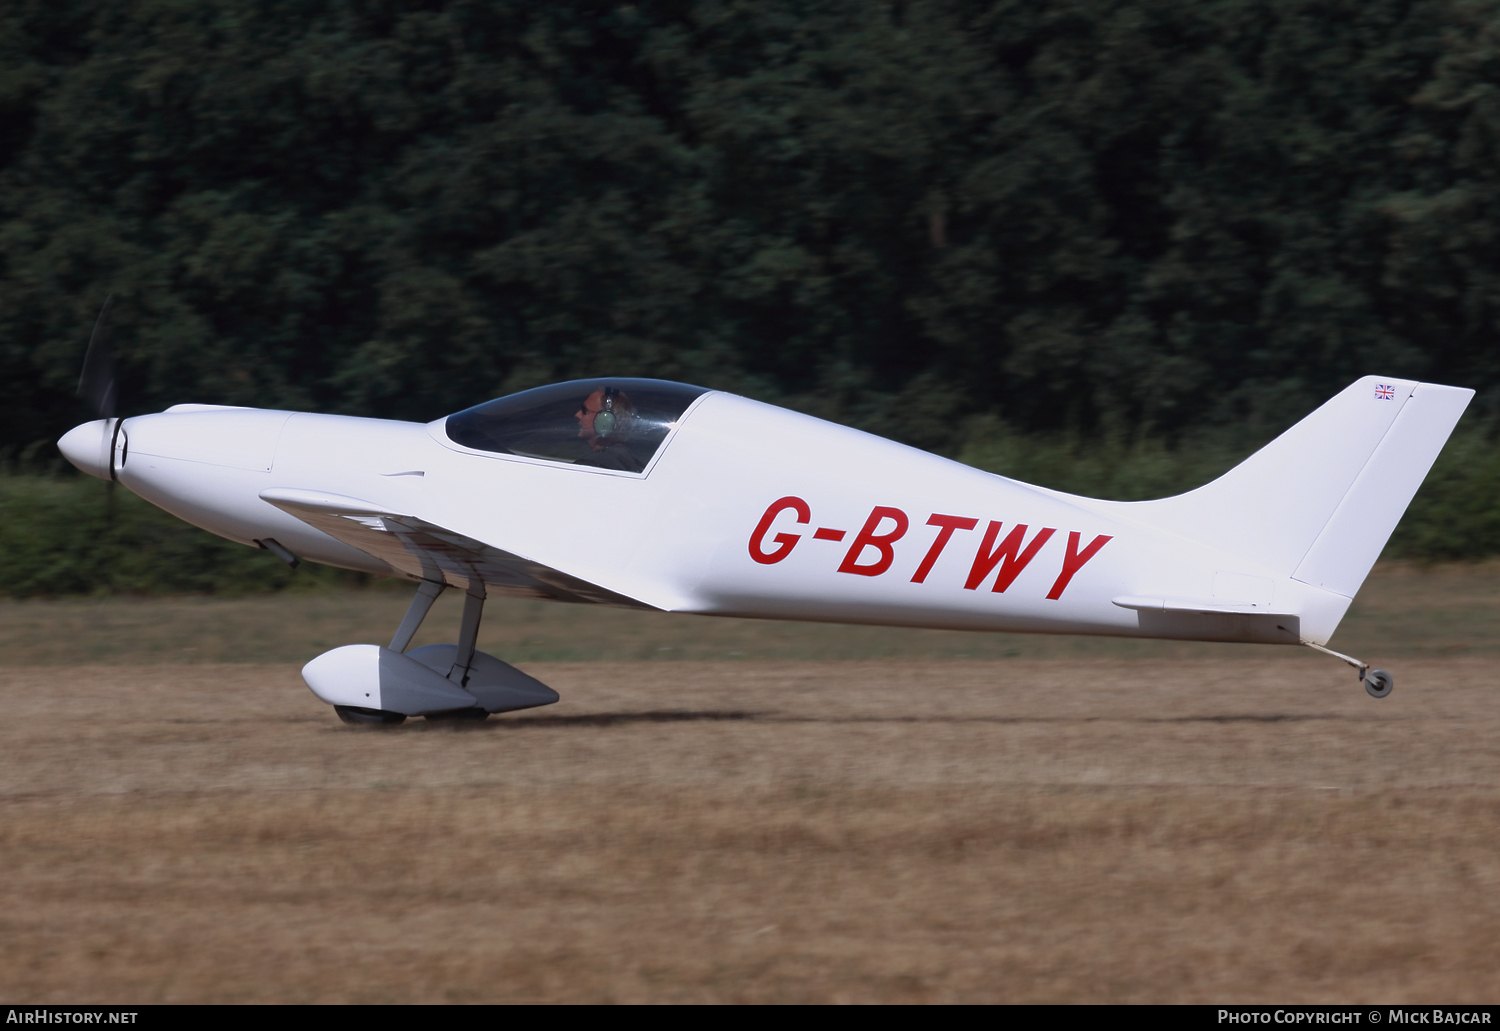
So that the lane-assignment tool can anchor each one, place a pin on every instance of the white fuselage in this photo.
(746, 510)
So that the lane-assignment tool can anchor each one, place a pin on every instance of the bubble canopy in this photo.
(614, 423)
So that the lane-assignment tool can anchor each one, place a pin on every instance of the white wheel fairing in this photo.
(368, 676)
(498, 686)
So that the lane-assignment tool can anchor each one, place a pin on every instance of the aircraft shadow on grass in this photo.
(658, 716)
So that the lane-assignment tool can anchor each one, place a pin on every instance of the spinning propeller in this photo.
(96, 385)
(93, 446)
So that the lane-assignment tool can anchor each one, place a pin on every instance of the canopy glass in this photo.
(600, 423)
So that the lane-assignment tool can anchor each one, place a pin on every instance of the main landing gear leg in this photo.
(1378, 683)
(421, 604)
(468, 635)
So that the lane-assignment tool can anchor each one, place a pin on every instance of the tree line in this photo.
(946, 222)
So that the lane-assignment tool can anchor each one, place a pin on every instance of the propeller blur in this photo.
(658, 495)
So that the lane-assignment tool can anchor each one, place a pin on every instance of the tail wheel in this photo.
(356, 716)
(1378, 683)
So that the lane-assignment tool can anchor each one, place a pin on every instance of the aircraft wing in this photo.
(427, 551)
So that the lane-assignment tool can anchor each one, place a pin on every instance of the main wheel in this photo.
(358, 717)
(470, 715)
(1378, 683)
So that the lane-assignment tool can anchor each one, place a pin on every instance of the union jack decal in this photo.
(1385, 392)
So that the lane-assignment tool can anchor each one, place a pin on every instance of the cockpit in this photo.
(614, 424)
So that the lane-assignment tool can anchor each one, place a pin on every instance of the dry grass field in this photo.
(737, 811)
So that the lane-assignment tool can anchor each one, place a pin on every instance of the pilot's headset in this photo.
(607, 422)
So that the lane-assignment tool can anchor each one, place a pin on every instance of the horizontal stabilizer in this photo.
(1140, 604)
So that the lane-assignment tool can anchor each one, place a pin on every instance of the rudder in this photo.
(1351, 541)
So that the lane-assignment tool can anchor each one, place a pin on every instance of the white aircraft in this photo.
(658, 495)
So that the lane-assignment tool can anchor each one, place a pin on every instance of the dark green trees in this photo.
(1134, 216)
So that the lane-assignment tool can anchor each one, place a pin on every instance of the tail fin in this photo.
(1319, 502)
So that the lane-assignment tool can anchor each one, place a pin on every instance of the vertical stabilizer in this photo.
(1319, 502)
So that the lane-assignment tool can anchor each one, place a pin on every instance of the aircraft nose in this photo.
(87, 446)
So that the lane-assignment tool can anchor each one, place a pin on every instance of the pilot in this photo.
(605, 420)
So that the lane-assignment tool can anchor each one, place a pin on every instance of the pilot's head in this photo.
(605, 416)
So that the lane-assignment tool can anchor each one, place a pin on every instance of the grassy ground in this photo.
(1194, 824)
(889, 831)
(1403, 610)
